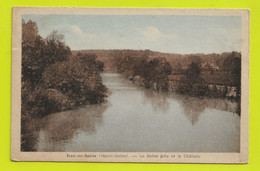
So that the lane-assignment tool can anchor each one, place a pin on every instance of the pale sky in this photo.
(163, 33)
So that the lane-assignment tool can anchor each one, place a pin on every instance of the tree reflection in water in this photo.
(133, 115)
(60, 127)
(158, 100)
(192, 106)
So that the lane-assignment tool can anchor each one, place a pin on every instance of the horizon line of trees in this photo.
(158, 69)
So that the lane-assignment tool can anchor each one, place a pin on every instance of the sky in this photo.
(164, 33)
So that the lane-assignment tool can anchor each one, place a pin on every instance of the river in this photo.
(135, 119)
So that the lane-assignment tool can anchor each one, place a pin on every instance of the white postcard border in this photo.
(176, 157)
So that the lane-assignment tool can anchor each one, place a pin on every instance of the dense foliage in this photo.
(38, 53)
(211, 75)
(192, 83)
(78, 78)
(53, 79)
(154, 71)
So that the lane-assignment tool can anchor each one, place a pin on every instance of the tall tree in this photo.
(33, 47)
(38, 53)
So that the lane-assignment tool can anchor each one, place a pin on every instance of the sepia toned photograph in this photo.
(130, 85)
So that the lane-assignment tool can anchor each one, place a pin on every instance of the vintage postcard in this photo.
(130, 85)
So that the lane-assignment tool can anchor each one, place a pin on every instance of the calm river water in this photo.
(135, 119)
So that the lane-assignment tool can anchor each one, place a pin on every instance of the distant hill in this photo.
(106, 56)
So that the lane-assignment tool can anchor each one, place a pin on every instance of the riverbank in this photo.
(173, 81)
(197, 78)
(136, 119)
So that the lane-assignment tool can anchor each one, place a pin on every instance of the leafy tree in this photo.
(77, 78)
(33, 47)
(192, 83)
(141, 68)
(38, 53)
(193, 72)
(56, 49)
(233, 63)
(157, 71)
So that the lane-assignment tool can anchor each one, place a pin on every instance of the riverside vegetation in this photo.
(199, 75)
(55, 79)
